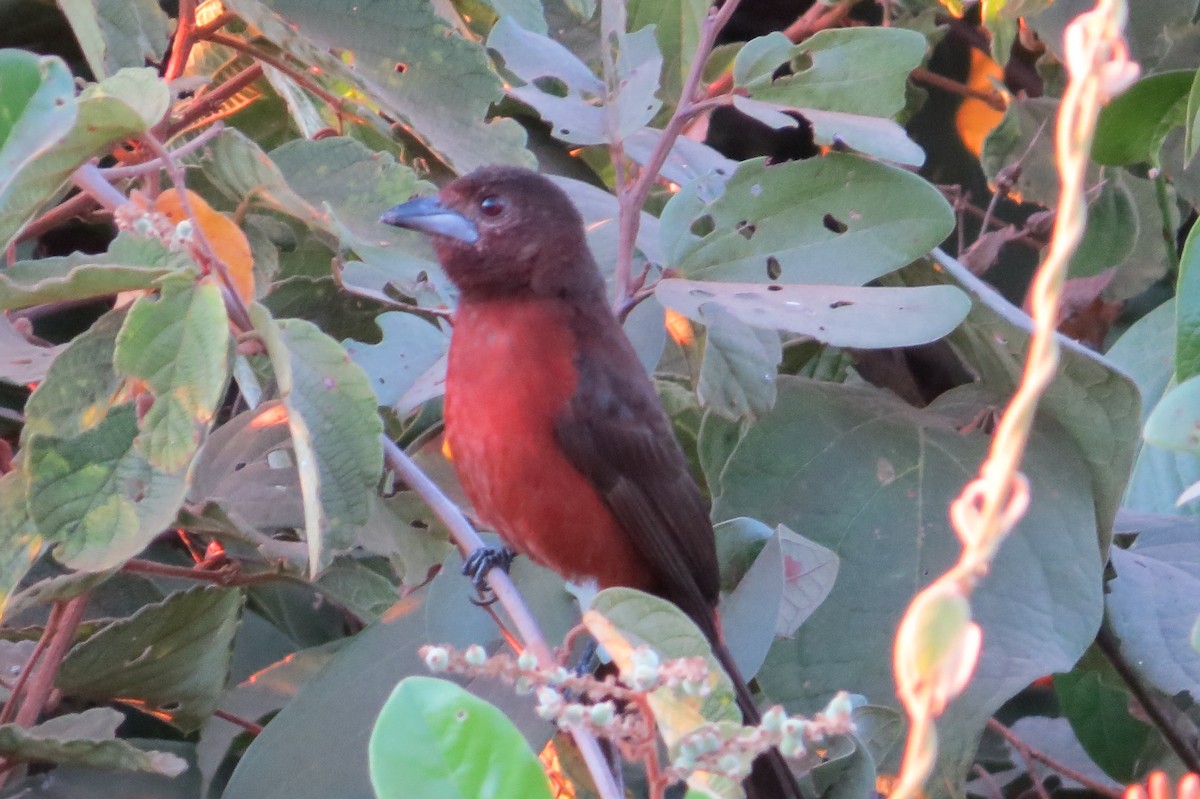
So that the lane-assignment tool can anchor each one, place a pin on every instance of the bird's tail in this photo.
(770, 778)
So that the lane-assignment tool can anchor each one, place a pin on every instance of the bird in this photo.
(556, 433)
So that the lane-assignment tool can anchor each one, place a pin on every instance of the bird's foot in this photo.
(482, 561)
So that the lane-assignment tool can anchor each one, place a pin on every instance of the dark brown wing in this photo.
(615, 432)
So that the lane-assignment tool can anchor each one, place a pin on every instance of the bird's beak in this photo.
(428, 215)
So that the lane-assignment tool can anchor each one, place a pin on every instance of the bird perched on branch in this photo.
(556, 432)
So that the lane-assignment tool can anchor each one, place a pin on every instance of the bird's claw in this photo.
(480, 562)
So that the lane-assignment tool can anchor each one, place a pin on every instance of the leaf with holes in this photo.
(849, 316)
(852, 70)
(840, 220)
(566, 94)
(406, 61)
(171, 656)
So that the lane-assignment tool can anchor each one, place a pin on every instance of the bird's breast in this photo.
(512, 371)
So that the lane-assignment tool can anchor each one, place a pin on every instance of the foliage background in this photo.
(197, 525)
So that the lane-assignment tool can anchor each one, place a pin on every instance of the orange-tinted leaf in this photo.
(679, 328)
(228, 241)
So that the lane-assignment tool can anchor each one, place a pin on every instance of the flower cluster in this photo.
(621, 713)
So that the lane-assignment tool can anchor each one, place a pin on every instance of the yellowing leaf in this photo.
(228, 241)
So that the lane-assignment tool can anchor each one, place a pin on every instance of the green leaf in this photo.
(37, 109)
(409, 348)
(852, 70)
(352, 186)
(345, 696)
(179, 344)
(1187, 310)
(1150, 257)
(859, 472)
(1094, 402)
(1175, 421)
(737, 375)
(95, 497)
(840, 220)
(357, 587)
(19, 541)
(125, 105)
(1111, 232)
(408, 62)
(79, 386)
(84, 739)
(1152, 605)
(1097, 706)
(790, 573)
(171, 656)
(1146, 352)
(117, 33)
(1025, 137)
(335, 430)
(677, 26)
(1131, 127)
(843, 316)
(623, 619)
(131, 263)
(435, 739)
(1191, 138)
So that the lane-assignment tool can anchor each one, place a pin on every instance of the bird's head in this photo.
(503, 231)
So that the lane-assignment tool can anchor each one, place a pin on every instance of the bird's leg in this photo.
(584, 664)
(482, 561)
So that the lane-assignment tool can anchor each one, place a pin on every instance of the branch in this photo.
(993, 99)
(630, 202)
(208, 103)
(1112, 653)
(181, 46)
(1028, 751)
(502, 586)
(279, 64)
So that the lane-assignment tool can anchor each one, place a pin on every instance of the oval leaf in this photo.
(433, 738)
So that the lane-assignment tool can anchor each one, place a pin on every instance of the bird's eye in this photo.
(491, 205)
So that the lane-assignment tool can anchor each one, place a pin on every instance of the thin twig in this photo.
(210, 102)
(993, 99)
(248, 726)
(1026, 750)
(468, 541)
(224, 577)
(1111, 650)
(155, 164)
(64, 212)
